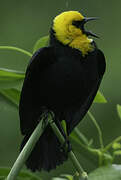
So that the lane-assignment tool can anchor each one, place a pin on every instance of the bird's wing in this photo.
(75, 115)
(29, 106)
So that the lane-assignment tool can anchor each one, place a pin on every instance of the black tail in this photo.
(47, 153)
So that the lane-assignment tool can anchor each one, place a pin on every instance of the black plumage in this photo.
(58, 78)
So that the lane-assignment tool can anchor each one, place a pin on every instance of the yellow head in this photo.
(69, 30)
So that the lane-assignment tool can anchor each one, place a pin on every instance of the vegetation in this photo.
(103, 157)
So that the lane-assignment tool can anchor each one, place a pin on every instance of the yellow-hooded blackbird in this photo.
(63, 78)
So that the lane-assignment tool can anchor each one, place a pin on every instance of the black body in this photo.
(62, 80)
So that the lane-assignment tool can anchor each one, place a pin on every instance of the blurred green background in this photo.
(22, 23)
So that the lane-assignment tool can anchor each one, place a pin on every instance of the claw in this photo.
(44, 115)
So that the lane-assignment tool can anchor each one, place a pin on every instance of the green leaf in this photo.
(10, 78)
(117, 153)
(42, 42)
(99, 98)
(10, 73)
(23, 175)
(116, 145)
(119, 110)
(64, 177)
(67, 176)
(63, 123)
(58, 178)
(111, 172)
(12, 95)
(17, 84)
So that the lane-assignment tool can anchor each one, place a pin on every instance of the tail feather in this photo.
(47, 153)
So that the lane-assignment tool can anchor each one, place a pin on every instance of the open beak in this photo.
(88, 33)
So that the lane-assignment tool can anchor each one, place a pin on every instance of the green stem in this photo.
(81, 173)
(81, 136)
(16, 49)
(23, 156)
(110, 144)
(98, 129)
(72, 157)
(26, 151)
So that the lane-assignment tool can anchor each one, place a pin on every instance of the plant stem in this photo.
(16, 49)
(98, 129)
(78, 167)
(31, 143)
(81, 136)
(110, 144)
(26, 151)
(72, 157)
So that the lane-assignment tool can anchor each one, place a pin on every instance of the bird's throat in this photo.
(83, 44)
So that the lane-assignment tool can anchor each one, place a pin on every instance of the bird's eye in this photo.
(76, 23)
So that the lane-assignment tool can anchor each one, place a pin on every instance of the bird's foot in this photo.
(45, 114)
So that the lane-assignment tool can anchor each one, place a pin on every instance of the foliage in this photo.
(10, 88)
(23, 175)
(112, 172)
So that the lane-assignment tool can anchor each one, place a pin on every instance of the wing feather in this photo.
(29, 107)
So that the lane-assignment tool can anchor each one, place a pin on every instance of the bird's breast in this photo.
(63, 76)
(65, 82)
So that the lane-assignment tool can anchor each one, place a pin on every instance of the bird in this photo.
(62, 78)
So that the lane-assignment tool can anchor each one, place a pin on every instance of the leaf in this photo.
(42, 42)
(99, 98)
(10, 78)
(12, 95)
(117, 153)
(67, 176)
(10, 73)
(64, 177)
(58, 178)
(116, 145)
(23, 175)
(111, 172)
(63, 123)
(119, 110)
(11, 84)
